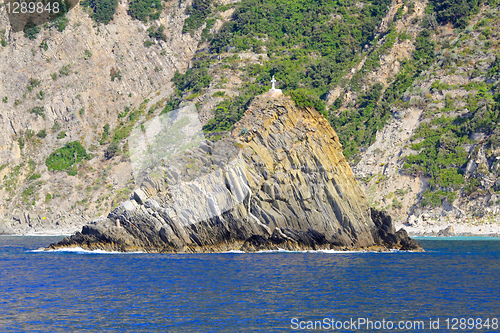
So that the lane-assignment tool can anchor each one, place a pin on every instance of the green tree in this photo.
(103, 11)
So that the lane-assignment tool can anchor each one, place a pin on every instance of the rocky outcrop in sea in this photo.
(278, 181)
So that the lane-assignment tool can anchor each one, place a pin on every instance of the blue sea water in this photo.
(237, 292)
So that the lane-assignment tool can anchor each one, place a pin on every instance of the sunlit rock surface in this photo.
(279, 181)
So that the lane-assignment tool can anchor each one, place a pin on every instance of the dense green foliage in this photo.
(103, 11)
(305, 23)
(304, 98)
(144, 10)
(158, 33)
(358, 126)
(195, 79)
(227, 113)
(441, 156)
(66, 158)
(495, 68)
(105, 134)
(455, 11)
(308, 49)
(198, 12)
(172, 104)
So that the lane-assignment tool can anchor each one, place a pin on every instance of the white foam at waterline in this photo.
(83, 251)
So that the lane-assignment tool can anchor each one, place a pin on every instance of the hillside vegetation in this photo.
(411, 88)
(316, 47)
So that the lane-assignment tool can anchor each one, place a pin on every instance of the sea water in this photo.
(78, 291)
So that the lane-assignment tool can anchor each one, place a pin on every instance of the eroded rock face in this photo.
(279, 181)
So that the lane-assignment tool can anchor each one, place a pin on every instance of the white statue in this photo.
(273, 92)
(273, 81)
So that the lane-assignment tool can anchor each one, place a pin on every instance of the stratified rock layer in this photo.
(279, 181)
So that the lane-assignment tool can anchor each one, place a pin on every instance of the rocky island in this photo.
(278, 181)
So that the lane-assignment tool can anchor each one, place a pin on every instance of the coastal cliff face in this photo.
(278, 181)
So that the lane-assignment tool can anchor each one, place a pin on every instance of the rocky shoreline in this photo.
(106, 236)
(448, 230)
(279, 181)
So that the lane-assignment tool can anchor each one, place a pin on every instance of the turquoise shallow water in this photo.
(235, 292)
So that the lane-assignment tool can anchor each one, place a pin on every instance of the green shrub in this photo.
(32, 83)
(61, 135)
(198, 12)
(172, 104)
(65, 70)
(495, 67)
(396, 204)
(20, 142)
(227, 113)
(112, 150)
(60, 23)
(66, 157)
(105, 134)
(44, 46)
(158, 33)
(143, 10)
(304, 98)
(103, 11)
(436, 199)
(473, 184)
(122, 132)
(219, 94)
(455, 11)
(42, 133)
(31, 30)
(38, 111)
(34, 176)
(195, 79)
(56, 127)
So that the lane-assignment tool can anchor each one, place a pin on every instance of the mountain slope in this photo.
(411, 88)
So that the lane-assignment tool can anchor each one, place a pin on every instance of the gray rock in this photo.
(140, 196)
(243, 202)
(129, 205)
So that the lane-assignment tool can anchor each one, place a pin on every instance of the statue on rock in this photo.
(273, 92)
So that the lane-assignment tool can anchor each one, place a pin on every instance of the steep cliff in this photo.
(84, 82)
(279, 180)
(435, 164)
